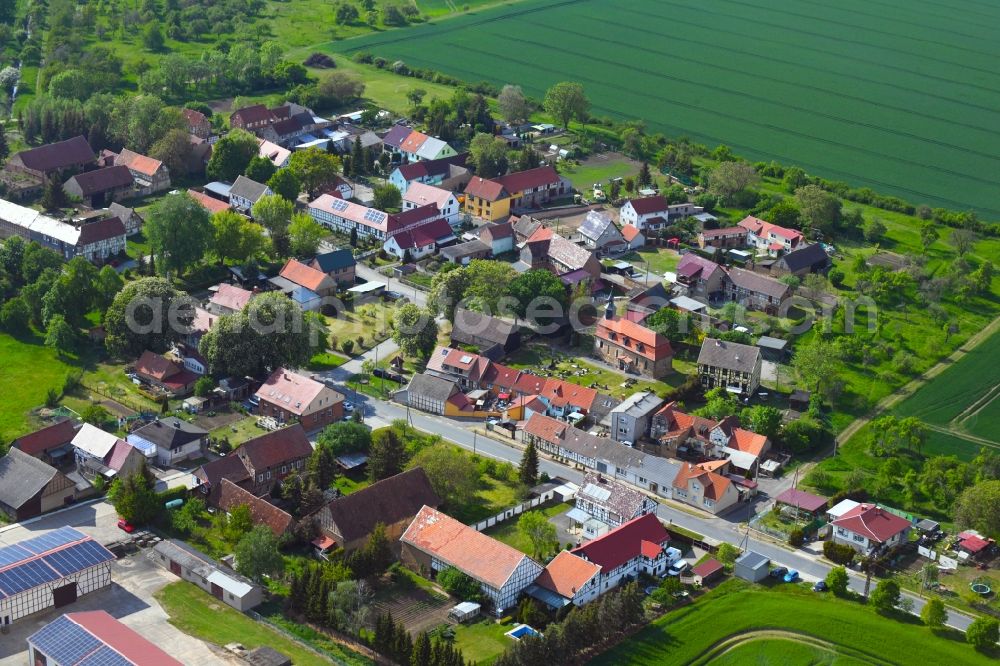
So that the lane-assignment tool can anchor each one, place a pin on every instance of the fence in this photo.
(121, 400)
(292, 637)
(513, 511)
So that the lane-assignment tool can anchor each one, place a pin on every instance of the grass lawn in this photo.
(508, 533)
(597, 169)
(239, 431)
(326, 361)
(369, 321)
(659, 259)
(482, 642)
(351, 484)
(778, 652)
(687, 635)
(29, 370)
(195, 612)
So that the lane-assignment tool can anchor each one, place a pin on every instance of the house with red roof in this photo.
(707, 571)
(290, 397)
(682, 434)
(646, 213)
(803, 501)
(633, 237)
(730, 237)
(262, 512)
(150, 175)
(420, 241)
(632, 347)
(167, 375)
(258, 464)
(51, 444)
(197, 123)
(227, 299)
(420, 194)
(701, 487)
(638, 546)
(306, 276)
(869, 527)
(775, 240)
(567, 579)
(496, 198)
(973, 543)
(702, 277)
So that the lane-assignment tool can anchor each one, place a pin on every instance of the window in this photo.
(859, 538)
(284, 468)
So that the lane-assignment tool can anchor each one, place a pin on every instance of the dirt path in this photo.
(736, 640)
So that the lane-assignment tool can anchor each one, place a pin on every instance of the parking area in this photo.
(136, 579)
(96, 519)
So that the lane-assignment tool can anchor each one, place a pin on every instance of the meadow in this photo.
(844, 629)
(894, 95)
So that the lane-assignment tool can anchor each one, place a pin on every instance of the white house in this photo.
(567, 579)
(867, 527)
(246, 192)
(638, 546)
(172, 440)
(419, 241)
(647, 213)
(343, 216)
(419, 194)
(763, 235)
(221, 582)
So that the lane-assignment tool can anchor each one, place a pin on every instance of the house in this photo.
(485, 332)
(632, 418)
(97, 241)
(393, 140)
(600, 234)
(53, 158)
(646, 213)
(51, 444)
(420, 194)
(252, 118)
(99, 187)
(706, 572)
(30, 487)
(610, 502)
(392, 502)
(870, 528)
(496, 198)
(708, 490)
(770, 237)
(287, 396)
(701, 276)
(227, 299)
(754, 291)
(197, 123)
(246, 192)
(633, 237)
(171, 440)
(168, 376)
(463, 253)
(420, 241)
(973, 544)
(448, 173)
(802, 261)
(431, 394)
(311, 278)
(346, 216)
(92, 637)
(209, 203)
(305, 298)
(274, 153)
(636, 547)
(129, 217)
(730, 365)
(435, 541)
(271, 457)
(338, 264)
(550, 251)
(752, 566)
(525, 227)
(647, 302)
(98, 452)
(567, 579)
(218, 580)
(632, 347)
(499, 236)
(802, 501)
(339, 187)
(200, 155)
(262, 512)
(773, 349)
(730, 237)
(414, 146)
(150, 175)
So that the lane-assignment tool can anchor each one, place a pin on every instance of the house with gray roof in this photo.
(600, 234)
(802, 261)
(173, 440)
(494, 337)
(631, 419)
(30, 487)
(245, 193)
(429, 393)
(755, 291)
(730, 365)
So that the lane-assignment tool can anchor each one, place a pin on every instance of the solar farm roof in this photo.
(65, 642)
(46, 558)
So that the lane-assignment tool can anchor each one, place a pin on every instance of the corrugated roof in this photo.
(22, 476)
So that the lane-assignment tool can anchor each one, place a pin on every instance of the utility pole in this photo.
(474, 442)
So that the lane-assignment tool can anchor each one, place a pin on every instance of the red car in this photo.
(125, 525)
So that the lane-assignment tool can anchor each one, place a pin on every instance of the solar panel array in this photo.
(65, 642)
(339, 205)
(37, 561)
(373, 215)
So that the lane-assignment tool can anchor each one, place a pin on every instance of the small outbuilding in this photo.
(802, 501)
(799, 400)
(706, 572)
(773, 349)
(752, 566)
(220, 581)
(465, 611)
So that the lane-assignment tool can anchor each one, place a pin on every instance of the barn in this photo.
(50, 570)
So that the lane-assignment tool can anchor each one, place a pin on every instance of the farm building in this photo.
(50, 571)
(221, 582)
(93, 637)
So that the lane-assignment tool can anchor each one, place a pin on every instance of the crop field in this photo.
(898, 95)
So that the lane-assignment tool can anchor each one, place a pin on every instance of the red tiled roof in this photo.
(490, 190)
(647, 205)
(545, 428)
(231, 297)
(307, 276)
(654, 345)
(708, 568)
(425, 234)
(211, 204)
(263, 512)
(413, 142)
(715, 484)
(802, 499)
(629, 232)
(532, 178)
(873, 522)
(118, 454)
(276, 447)
(94, 232)
(748, 441)
(293, 392)
(120, 638)
(485, 559)
(252, 114)
(649, 549)
(972, 542)
(625, 542)
(193, 118)
(566, 574)
(136, 162)
(59, 155)
(47, 438)
(541, 234)
(156, 366)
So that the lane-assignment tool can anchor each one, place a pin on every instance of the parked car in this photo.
(820, 586)
(348, 406)
(678, 568)
(779, 573)
(125, 525)
(791, 576)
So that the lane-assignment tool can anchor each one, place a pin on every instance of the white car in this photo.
(678, 568)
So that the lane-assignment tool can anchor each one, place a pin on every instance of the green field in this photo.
(897, 95)
(736, 610)
(27, 372)
(767, 652)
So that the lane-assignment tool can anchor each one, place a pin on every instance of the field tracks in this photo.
(736, 640)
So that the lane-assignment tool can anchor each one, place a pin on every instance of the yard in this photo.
(195, 612)
(239, 431)
(483, 641)
(788, 615)
(29, 370)
(657, 260)
(599, 168)
(508, 533)
(369, 322)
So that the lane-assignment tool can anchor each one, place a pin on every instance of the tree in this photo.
(60, 336)
(489, 283)
(257, 554)
(764, 420)
(727, 554)
(730, 179)
(235, 237)
(106, 286)
(15, 316)
(304, 235)
(528, 471)
(447, 290)
(239, 522)
(346, 13)
(274, 213)
(387, 197)
(978, 507)
(146, 314)
(260, 169)
(95, 415)
(539, 287)
(928, 235)
(962, 240)
(838, 580)
(453, 474)
(134, 498)
(179, 232)
(785, 213)
(983, 633)
(314, 168)
(231, 155)
(152, 37)
(566, 100)
(885, 597)
(359, 164)
(540, 533)
(874, 230)
(203, 387)
(284, 182)
(339, 87)
(811, 363)
(174, 150)
(933, 613)
(512, 103)
(388, 454)
(459, 584)
(820, 209)
(488, 155)
(415, 331)
(53, 196)
(670, 323)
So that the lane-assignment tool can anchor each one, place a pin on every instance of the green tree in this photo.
(459, 584)
(239, 522)
(388, 455)
(179, 231)
(231, 155)
(447, 290)
(565, 101)
(186, 518)
(60, 336)
(345, 13)
(387, 197)
(415, 331)
(874, 230)
(933, 613)
(838, 580)
(488, 154)
(285, 183)
(274, 213)
(729, 179)
(983, 633)
(540, 533)
(134, 498)
(257, 554)
(53, 196)
(152, 37)
(314, 168)
(785, 213)
(453, 474)
(528, 471)
(885, 596)
(15, 316)
(540, 287)
(260, 169)
(174, 149)
(35, 260)
(763, 420)
(978, 507)
(512, 103)
(203, 387)
(489, 284)
(928, 235)
(95, 415)
(727, 554)
(670, 323)
(820, 209)
(236, 238)
(305, 234)
(106, 287)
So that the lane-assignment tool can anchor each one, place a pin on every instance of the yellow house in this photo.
(493, 199)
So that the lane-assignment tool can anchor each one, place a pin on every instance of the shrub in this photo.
(459, 584)
(796, 538)
(838, 552)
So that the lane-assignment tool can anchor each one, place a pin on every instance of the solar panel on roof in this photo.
(104, 656)
(78, 557)
(12, 554)
(26, 576)
(373, 215)
(64, 641)
(339, 205)
(53, 539)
